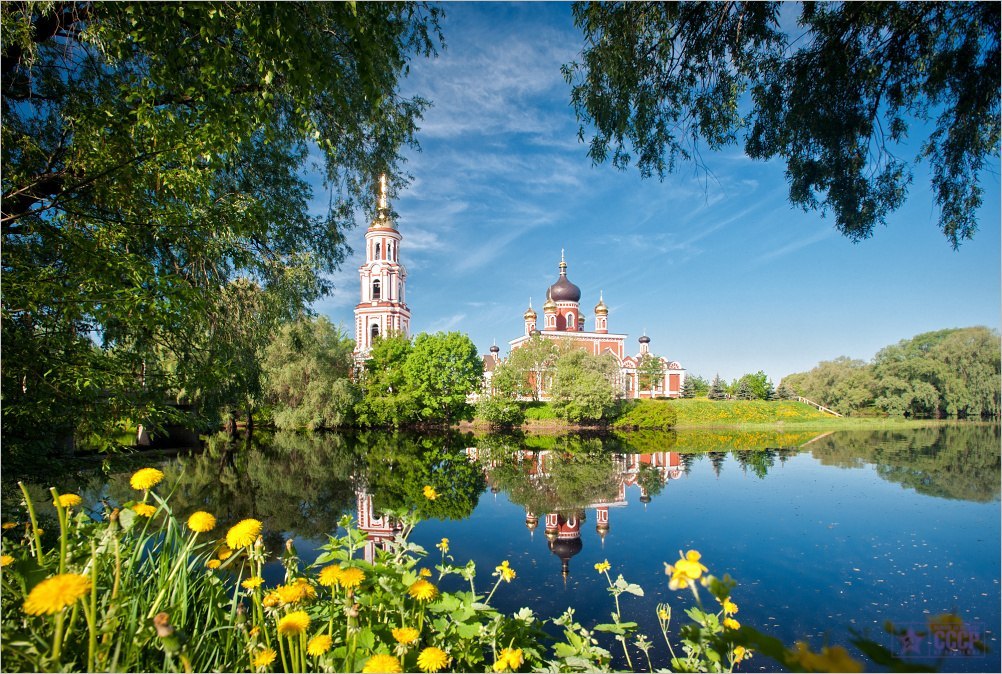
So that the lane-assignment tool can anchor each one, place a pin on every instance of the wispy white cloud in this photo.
(793, 246)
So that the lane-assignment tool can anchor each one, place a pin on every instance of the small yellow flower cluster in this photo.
(145, 478)
(685, 570)
(506, 572)
(430, 493)
(509, 659)
(298, 591)
(444, 546)
(731, 624)
(604, 566)
(740, 653)
(833, 659)
(6, 560)
(382, 663)
(433, 659)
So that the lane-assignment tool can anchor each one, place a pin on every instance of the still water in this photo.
(826, 534)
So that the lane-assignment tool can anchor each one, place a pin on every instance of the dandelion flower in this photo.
(506, 572)
(213, 564)
(145, 478)
(243, 533)
(432, 659)
(382, 663)
(54, 594)
(422, 590)
(201, 522)
(224, 552)
(444, 547)
(351, 577)
(271, 600)
(144, 509)
(739, 654)
(731, 624)
(602, 567)
(294, 623)
(319, 645)
(430, 493)
(68, 500)
(425, 573)
(6, 560)
(329, 575)
(296, 592)
(405, 635)
(254, 631)
(252, 583)
(264, 658)
(730, 608)
(11, 525)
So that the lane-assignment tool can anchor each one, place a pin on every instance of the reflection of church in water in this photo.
(562, 526)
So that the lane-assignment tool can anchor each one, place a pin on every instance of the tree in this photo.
(441, 371)
(694, 386)
(387, 399)
(717, 390)
(650, 373)
(658, 81)
(525, 370)
(758, 384)
(584, 386)
(307, 371)
(744, 391)
(153, 153)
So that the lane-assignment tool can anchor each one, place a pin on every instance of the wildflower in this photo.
(507, 573)
(319, 645)
(144, 509)
(294, 593)
(351, 577)
(6, 560)
(509, 659)
(55, 593)
(834, 659)
(145, 478)
(739, 654)
(433, 659)
(422, 590)
(213, 564)
(243, 533)
(254, 631)
(443, 546)
(252, 583)
(330, 575)
(264, 658)
(731, 624)
(271, 600)
(294, 623)
(664, 615)
(405, 635)
(430, 493)
(382, 663)
(224, 552)
(730, 608)
(425, 573)
(201, 522)
(68, 500)
(11, 525)
(686, 570)
(602, 567)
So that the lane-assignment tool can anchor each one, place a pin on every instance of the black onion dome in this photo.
(495, 348)
(565, 548)
(644, 339)
(563, 290)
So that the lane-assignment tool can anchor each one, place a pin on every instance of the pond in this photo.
(827, 535)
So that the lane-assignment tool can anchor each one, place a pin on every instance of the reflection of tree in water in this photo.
(758, 461)
(959, 461)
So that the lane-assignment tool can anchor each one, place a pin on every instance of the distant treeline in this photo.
(947, 373)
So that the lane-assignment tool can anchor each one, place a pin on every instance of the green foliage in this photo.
(717, 391)
(935, 374)
(647, 414)
(695, 386)
(656, 87)
(308, 368)
(540, 411)
(152, 154)
(499, 410)
(523, 373)
(441, 371)
(701, 412)
(650, 373)
(386, 398)
(584, 386)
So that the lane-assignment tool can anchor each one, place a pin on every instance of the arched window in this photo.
(551, 321)
(375, 290)
(377, 251)
(389, 252)
(373, 333)
(571, 323)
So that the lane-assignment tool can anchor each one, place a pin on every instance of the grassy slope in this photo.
(759, 414)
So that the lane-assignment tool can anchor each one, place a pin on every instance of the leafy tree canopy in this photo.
(441, 371)
(584, 386)
(836, 100)
(153, 152)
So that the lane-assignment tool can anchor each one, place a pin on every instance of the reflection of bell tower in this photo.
(531, 522)
(378, 529)
(602, 522)
(381, 309)
(564, 534)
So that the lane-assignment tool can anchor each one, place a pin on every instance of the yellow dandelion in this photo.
(6, 560)
(294, 623)
(509, 659)
(319, 645)
(739, 654)
(430, 493)
(69, 500)
(271, 600)
(145, 478)
(382, 663)
(11, 525)
(224, 552)
(405, 635)
(506, 572)
(351, 577)
(252, 583)
(243, 533)
(201, 522)
(213, 564)
(254, 631)
(144, 509)
(264, 658)
(433, 659)
(444, 546)
(731, 624)
(422, 590)
(602, 567)
(295, 592)
(329, 575)
(425, 573)
(730, 608)
(54, 594)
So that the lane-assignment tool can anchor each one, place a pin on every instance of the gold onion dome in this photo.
(549, 305)
(529, 313)
(600, 308)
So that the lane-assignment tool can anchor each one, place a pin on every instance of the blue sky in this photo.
(722, 273)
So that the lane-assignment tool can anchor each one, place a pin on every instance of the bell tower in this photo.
(382, 308)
